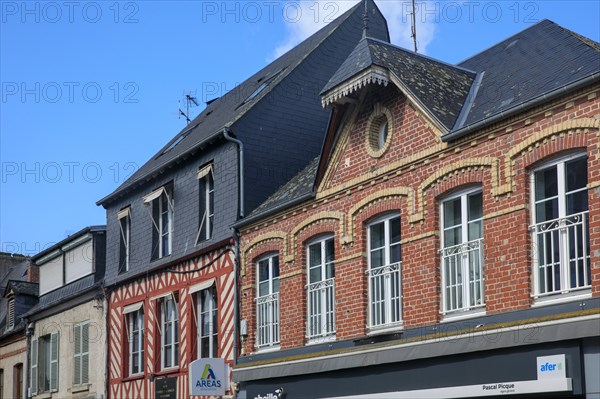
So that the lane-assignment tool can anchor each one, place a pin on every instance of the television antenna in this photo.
(413, 29)
(190, 101)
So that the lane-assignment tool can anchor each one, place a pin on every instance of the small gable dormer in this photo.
(390, 103)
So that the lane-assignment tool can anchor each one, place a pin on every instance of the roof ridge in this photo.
(396, 47)
(585, 40)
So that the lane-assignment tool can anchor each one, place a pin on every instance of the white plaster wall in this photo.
(11, 355)
(93, 312)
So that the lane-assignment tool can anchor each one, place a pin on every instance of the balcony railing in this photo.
(463, 280)
(385, 297)
(267, 320)
(561, 251)
(321, 309)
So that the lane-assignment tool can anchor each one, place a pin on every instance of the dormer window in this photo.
(160, 205)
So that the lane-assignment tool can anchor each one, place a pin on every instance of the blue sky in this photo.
(89, 89)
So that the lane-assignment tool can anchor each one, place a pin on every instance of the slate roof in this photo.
(299, 186)
(530, 64)
(442, 88)
(231, 107)
(22, 287)
(517, 70)
(64, 293)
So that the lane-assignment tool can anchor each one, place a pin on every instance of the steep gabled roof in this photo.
(299, 186)
(537, 63)
(529, 65)
(439, 87)
(22, 288)
(226, 110)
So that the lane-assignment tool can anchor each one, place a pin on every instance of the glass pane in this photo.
(329, 250)
(475, 230)
(546, 210)
(377, 258)
(205, 346)
(377, 235)
(263, 288)
(475, 206)
(314, 254)
(577, 202)
(395, 230)
(276, 285)
(576, 174)
(263, 270)
(395, 255)
(452, 213)
(275, 266)
(315, 274)
(452, 237)
(330, 270)
(546, 183)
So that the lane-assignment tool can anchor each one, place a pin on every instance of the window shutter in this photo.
(77, 355)
(85, 355)
(54, 362)
(11, 313)
(34, 367)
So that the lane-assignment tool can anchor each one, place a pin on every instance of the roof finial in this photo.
(366, 20)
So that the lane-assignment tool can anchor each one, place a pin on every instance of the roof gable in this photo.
(438, 88)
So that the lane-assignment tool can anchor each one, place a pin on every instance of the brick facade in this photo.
(409, 178)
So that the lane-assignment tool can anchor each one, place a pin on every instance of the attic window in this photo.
(264, 82)
(174, 143)
(379, 131)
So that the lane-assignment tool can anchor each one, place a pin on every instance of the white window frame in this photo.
(124, 218)
(387, 272)
(149, 200)
(322, 292)
(81, 353)
(268, 305)
(463, 251)
(134, 319)
(38, 373)
(173, 341)
(561, 223)
(207, 217)
(213, 329)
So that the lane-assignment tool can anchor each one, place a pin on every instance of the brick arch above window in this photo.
(569, 135)
(313, 220)
(382, 198)
(275, 241)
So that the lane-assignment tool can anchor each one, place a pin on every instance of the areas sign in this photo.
(208, 377)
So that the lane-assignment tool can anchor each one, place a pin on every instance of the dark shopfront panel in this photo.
(486, 367)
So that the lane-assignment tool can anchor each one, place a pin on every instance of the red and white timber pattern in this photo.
(146, 290)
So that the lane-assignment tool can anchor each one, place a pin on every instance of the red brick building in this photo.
(447, 238)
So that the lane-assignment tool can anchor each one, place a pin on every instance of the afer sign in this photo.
(551, 367)
(208, 377)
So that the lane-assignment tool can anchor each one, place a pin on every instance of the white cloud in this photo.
(303, 18)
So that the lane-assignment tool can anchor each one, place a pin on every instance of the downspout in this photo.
(28, 334)
(105, 304)
(236, 238)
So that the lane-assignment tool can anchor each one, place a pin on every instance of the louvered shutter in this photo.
(85, 355)
(77, 355)
(54, 362)
(34, 367)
